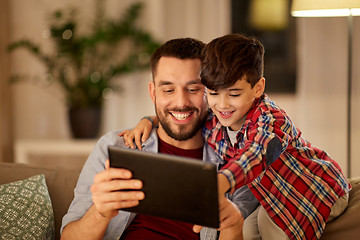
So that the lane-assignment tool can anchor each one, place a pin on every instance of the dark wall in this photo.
(280, 59)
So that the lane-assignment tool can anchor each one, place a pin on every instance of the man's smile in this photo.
(181, 116)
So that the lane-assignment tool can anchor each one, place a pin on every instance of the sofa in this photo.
(61, 182)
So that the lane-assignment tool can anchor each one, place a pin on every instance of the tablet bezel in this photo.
(186, 191)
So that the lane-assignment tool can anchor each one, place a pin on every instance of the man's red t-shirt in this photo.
(149, 227)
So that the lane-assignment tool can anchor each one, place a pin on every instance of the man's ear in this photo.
(152, 91)
(260, 87)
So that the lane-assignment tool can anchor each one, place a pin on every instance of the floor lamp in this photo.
(334, 8)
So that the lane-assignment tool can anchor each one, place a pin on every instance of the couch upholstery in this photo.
(347, 225)
(61, 183)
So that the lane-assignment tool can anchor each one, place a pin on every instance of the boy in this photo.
(299, 187)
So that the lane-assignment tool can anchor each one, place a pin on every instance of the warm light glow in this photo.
(269, 15)
(355, 11)
(327, 13)
(325, 8)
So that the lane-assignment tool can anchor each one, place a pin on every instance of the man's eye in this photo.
(168, 90)
(193, 90)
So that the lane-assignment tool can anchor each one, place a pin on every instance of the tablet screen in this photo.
(175, 187)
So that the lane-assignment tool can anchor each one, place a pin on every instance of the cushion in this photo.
(25, 210)
(60, 183)
(346, 226)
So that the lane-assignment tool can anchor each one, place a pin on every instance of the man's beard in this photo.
(182, 134)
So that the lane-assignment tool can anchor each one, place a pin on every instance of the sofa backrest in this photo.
(60, 182)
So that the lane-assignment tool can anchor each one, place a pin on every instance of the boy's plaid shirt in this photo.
(295, 182)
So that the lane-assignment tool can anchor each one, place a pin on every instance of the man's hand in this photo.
(108, 199)
(230, 214)
(106, 191)
(231, 221)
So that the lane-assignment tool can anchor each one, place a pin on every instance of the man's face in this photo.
(179, 97)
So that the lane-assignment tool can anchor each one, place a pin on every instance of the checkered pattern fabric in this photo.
(297, 187)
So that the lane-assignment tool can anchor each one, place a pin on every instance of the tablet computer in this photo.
(175, 187)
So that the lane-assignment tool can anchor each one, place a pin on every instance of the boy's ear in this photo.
(260, 87)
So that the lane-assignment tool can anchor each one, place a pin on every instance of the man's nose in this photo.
(182, 99)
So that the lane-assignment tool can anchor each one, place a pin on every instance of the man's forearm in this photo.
(91, 226)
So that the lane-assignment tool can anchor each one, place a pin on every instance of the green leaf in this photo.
(113, 47)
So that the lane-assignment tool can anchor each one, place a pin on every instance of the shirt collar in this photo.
(152, 145)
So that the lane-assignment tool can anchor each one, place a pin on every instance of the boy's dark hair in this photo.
(182, 48)
(228, 59)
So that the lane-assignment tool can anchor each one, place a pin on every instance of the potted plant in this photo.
(85, 66)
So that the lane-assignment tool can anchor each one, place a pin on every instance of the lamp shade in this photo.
(325, 8)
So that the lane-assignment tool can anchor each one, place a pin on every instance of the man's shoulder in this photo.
(112, 138)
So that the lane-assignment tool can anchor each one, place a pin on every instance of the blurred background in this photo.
(305, 68)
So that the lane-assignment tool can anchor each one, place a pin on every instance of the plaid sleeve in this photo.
(214, 135)
(266, 139)
(209, 126)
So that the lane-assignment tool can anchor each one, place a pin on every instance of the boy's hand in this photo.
(140, 134)
(129, 136)
(106, 194)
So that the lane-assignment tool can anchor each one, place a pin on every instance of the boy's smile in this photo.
(227, 114)
(230, 105)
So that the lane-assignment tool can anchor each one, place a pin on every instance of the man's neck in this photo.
(196, 141)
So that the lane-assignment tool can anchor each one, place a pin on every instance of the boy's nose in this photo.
(223, 102)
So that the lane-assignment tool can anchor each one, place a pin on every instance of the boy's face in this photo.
(179, 98)
(231, 105)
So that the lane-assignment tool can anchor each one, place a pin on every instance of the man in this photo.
(181, 107)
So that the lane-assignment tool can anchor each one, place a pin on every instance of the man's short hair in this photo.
(182, 48)
(228, 59)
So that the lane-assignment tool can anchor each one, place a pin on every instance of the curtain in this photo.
(6, 143)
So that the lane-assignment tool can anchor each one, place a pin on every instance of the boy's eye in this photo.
(213, 93)
(234, 95)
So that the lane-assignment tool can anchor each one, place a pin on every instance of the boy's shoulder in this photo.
(265, 104)
(265, 107)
